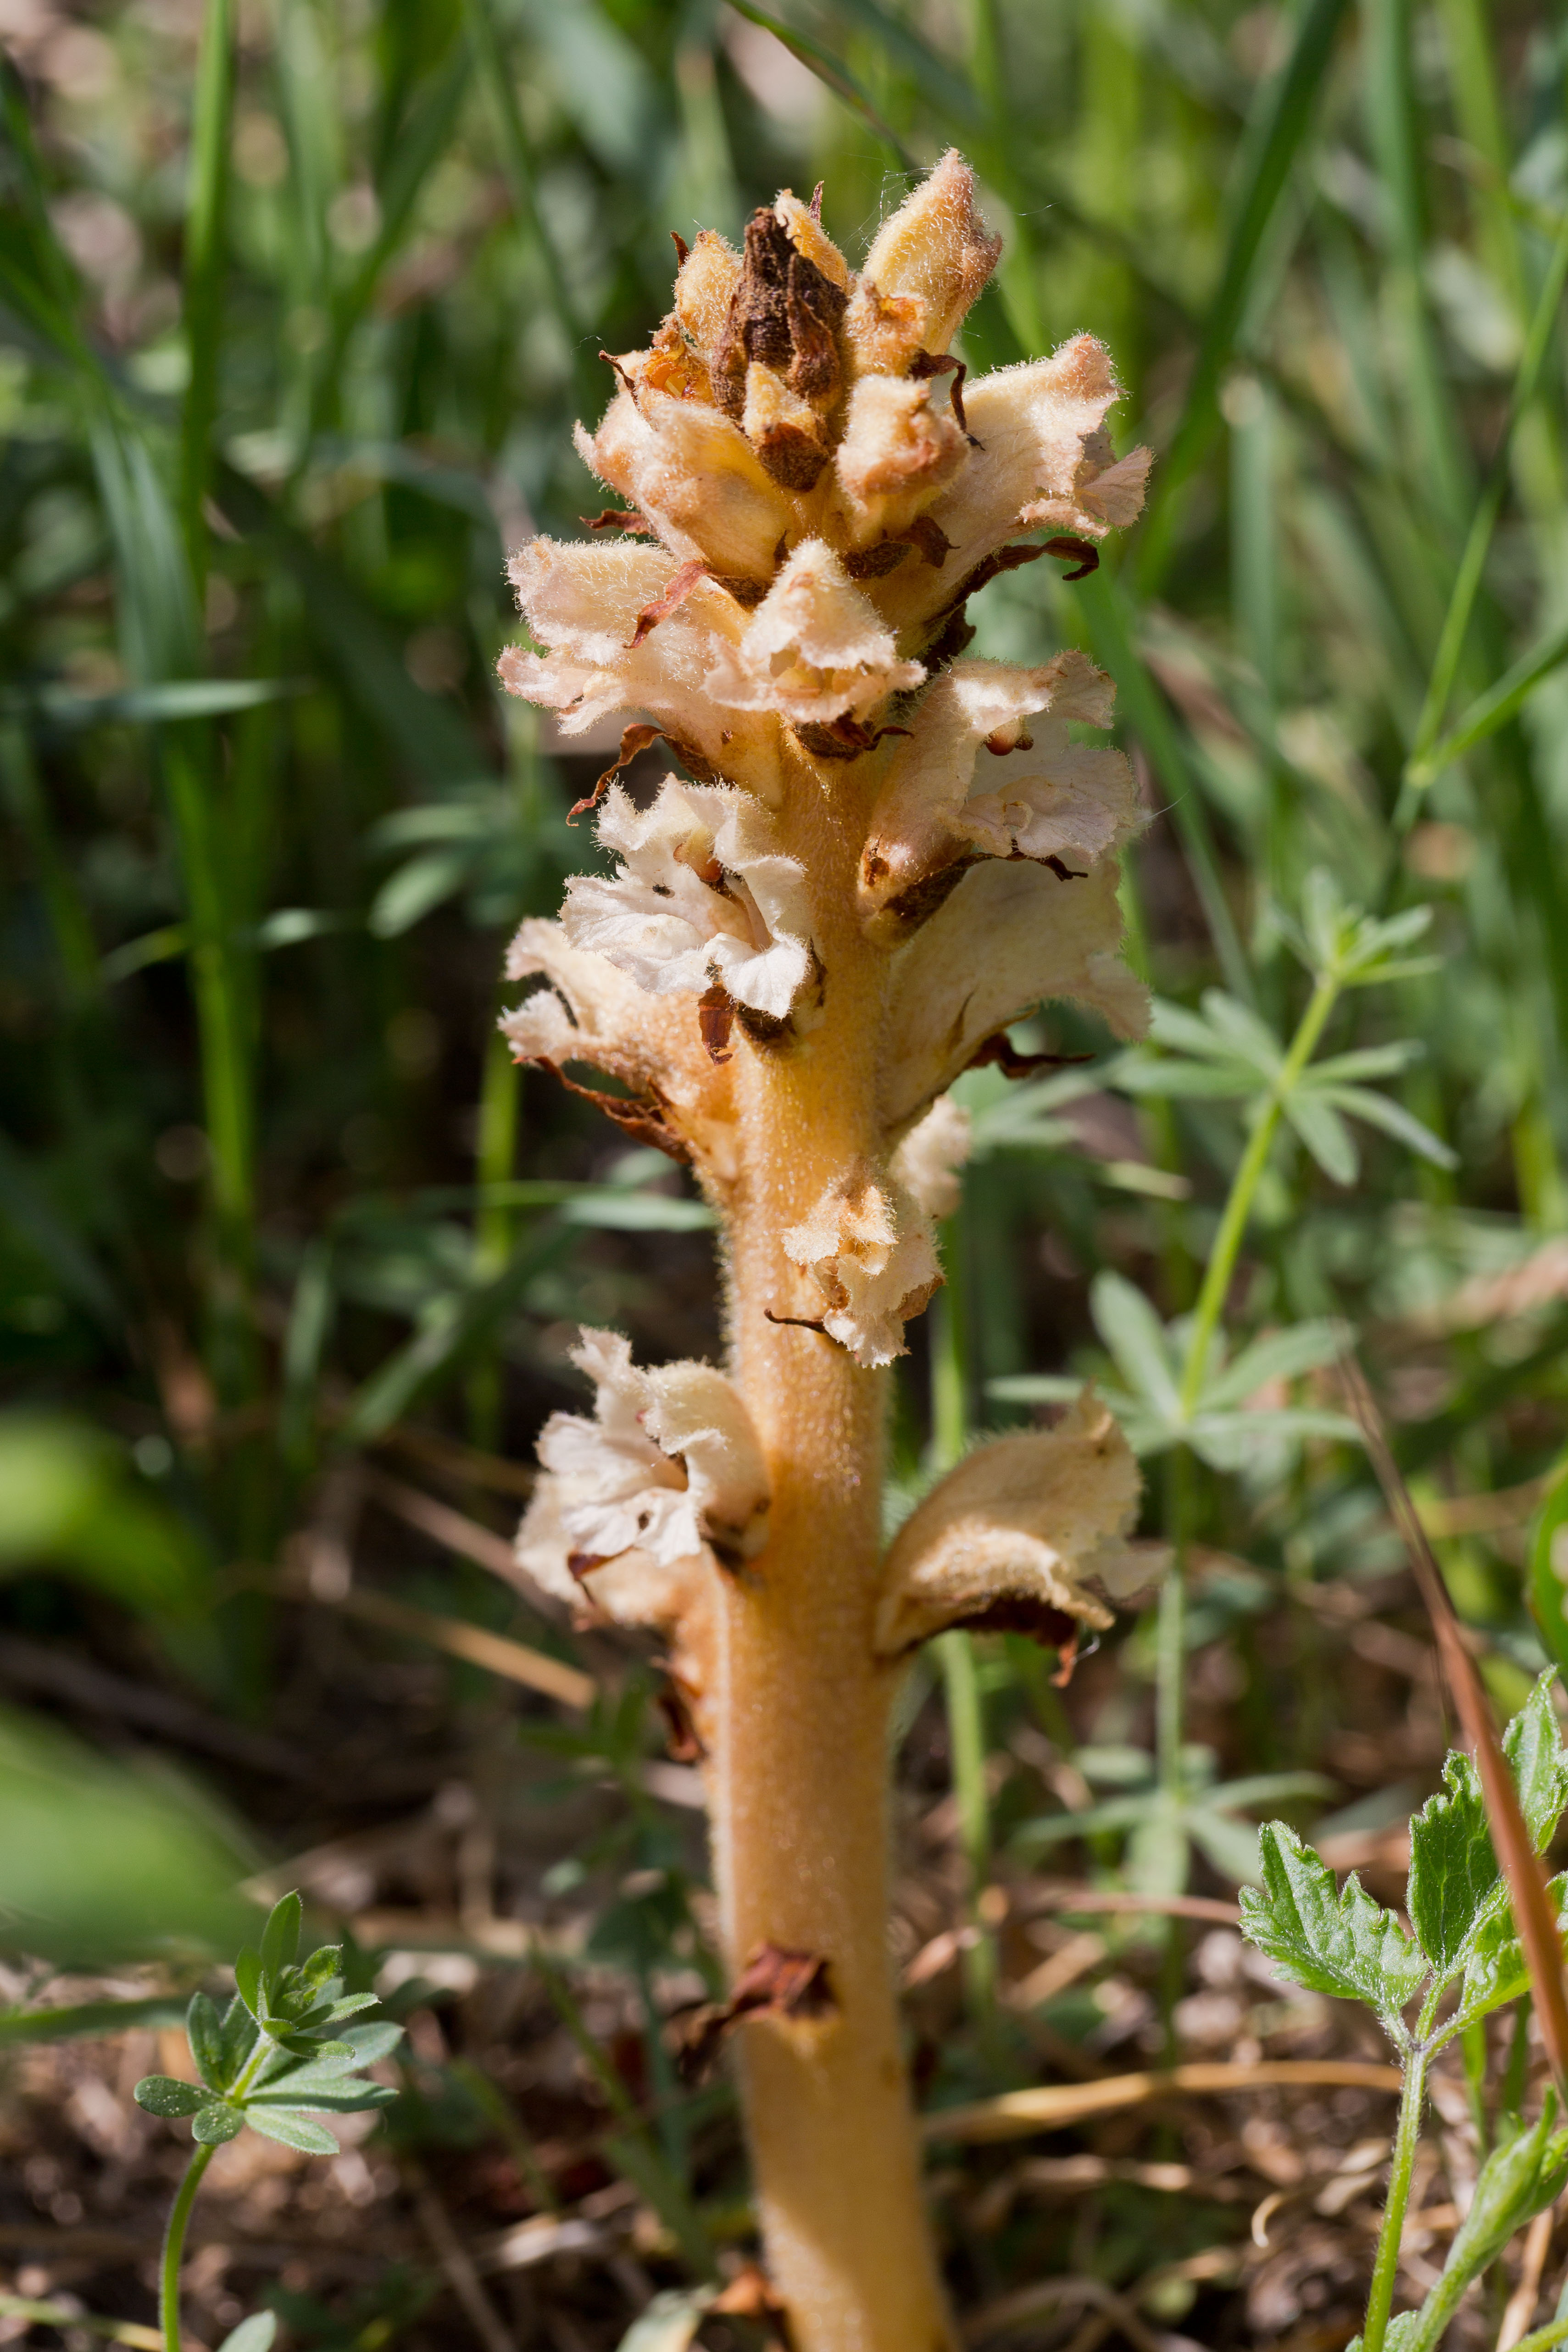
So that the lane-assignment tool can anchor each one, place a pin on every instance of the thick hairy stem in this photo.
(799, 1773)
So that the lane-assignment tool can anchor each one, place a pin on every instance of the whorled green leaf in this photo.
(280, 1936)
(240, 2036)
(1454, 1877)
(293, 2130)
(248, 1978)
(204, 2032)
(253, 2334)
(164, 2095)
(1331, 1940)
(215, 2123)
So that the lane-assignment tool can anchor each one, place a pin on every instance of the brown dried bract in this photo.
(1083, 553)
(642, 1117)
(1001, 1052)
(927, 536)
(773, 1983)
(844, 739)
(633, 739)
(926, 364)
(716, 1018)
(617, 519)
(680, 586)
(682, 1745)
(785, 314)
(1025, 1613)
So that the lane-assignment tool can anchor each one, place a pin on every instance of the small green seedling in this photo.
(283, 2052)
(1338, 1940)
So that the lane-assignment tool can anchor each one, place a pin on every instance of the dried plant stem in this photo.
(799, 1776)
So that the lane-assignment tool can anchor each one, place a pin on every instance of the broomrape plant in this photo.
(881, 853)
(1338, 1940)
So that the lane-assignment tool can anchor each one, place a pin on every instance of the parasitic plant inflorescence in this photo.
(881, 853)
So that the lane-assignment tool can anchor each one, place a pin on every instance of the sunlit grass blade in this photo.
(1492, 710)
(1285, 116)
(210, 138)
(829, 71)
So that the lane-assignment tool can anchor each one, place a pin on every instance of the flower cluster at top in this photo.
(871, 826)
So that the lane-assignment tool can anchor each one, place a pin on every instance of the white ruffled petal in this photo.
(935, 249)
(701, 898)
(868, 1250)
(928, 1162)
(815, 650)
(668, 1472)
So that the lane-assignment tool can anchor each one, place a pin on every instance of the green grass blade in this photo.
(210, 140)
(830, 72)
(1286, 114)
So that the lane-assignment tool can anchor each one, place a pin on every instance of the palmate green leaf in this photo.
(1331, 1940)
(1454, 1878)
(164, 2095)
(1324, 1133)
(1139, 1343)
(1280, 1356)
(293, 2130)
(217, 2123)
(1533, 1743)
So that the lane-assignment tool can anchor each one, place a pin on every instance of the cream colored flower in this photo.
(935, 252)
(1030, 792)
(667, 1469)
(701, 899)
(868, 1249)
(1010, 937)
(898, 450)
(927, 1162)
(1017, 1536)
(816, 650)
(695, 476)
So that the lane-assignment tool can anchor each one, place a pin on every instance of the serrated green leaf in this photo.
(204, 2032)
(1496, 1971)
(252, 2335)
(293, 2130)
(164, 2094)
(1331, 1940)
(280, 1936)
(248, 1978)
(216, 2124)
(1454, 1877)
(1533, 1743)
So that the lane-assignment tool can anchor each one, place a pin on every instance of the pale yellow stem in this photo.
(799, 1771)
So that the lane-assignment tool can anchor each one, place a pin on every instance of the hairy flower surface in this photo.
(868, 1250)
(668, 1472)
(701, 899)
(1017, 1536)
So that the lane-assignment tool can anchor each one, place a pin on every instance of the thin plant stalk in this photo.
(1385, 2264)
(174, 2247)
(960, 1668)
(1244, 1186)
(500, 1094)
